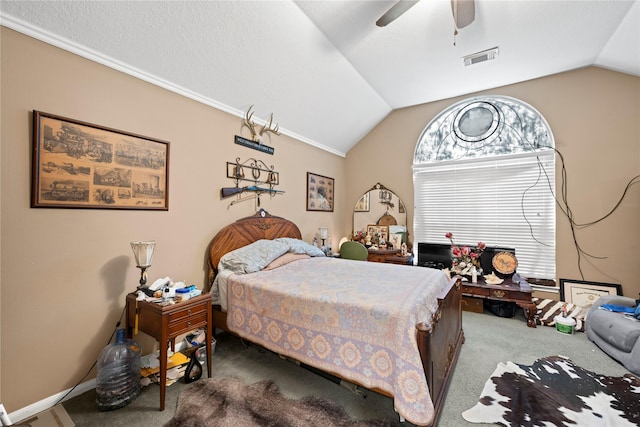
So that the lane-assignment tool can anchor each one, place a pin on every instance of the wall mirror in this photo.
(381, 206)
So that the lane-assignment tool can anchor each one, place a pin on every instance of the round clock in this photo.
(505, 262)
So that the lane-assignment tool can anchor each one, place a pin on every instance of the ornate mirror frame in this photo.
(379, 206)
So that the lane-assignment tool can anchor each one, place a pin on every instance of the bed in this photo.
(399, 335)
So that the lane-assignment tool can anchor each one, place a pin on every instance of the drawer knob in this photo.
(189, 324)
(189, 311)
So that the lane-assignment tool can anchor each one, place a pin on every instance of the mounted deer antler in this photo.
(266, 128)
(246, 121)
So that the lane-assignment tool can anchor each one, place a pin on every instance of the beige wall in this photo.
(65, 272)
(594, 115)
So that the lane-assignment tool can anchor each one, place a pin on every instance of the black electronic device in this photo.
(435, 255)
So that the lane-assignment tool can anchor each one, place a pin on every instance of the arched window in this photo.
(484, 170)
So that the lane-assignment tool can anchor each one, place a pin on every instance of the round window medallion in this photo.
(476, 122)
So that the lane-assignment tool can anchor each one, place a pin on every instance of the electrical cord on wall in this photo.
(95, 362)
(563, 205)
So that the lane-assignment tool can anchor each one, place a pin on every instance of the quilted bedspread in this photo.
(356, 319)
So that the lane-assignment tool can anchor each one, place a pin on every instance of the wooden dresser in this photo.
(381, 255)
(387, 255)
(474, 294)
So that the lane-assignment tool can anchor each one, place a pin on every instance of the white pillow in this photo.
(253, 257)
(298, 246)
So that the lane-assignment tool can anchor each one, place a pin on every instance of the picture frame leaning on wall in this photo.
(583, 293)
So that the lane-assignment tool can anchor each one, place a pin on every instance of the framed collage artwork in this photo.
(83, 165)
(381, 230)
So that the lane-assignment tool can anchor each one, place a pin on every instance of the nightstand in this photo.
(165, 323)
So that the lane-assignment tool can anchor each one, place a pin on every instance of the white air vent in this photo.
(485, 55)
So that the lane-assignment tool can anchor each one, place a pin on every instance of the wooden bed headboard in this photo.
(247, 230)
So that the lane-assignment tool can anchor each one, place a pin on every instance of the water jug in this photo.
(118, 381)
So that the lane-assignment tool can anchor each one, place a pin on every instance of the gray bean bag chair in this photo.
(616, 334)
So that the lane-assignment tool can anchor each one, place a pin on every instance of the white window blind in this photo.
(504, 201)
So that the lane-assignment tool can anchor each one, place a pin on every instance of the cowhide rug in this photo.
(230, 402)
(556, 392)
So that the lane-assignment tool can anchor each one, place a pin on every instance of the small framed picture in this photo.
(396, 240)
(319, 192)
(363, 204)
(584, 293)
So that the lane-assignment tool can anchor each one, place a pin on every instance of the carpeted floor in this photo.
(489, 340)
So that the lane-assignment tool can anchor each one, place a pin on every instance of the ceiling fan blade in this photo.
(396, 10)
(464, 12)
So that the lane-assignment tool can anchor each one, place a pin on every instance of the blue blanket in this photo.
(634, 311)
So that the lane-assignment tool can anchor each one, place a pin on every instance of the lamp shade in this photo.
(324, 232)
(344, 239)
(143, 251)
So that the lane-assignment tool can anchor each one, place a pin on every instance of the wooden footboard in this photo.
(439, 344)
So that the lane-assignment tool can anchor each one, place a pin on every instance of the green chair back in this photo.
(353, 250)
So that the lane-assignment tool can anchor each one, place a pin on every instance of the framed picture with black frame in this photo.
(585, 293)
(320, 192)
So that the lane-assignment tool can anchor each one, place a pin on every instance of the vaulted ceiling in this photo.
(325, 70)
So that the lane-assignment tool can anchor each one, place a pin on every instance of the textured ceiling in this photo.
(323, 68)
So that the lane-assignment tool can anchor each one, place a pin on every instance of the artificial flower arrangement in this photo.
(465, 258)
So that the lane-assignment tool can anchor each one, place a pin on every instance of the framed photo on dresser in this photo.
(381, 230)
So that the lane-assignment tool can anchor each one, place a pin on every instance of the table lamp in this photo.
(324, 233)
(143, 251)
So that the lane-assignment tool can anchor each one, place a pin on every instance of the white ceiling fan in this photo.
(464, 12)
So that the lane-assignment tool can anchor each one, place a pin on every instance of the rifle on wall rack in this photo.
(230, 191)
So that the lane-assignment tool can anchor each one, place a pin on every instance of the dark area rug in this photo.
(555, 391)
(230, 402)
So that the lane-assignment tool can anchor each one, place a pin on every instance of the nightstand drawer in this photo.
(187, 323)
(194, 310)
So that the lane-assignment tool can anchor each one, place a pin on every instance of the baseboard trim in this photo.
(49, 402)
(44, 404)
